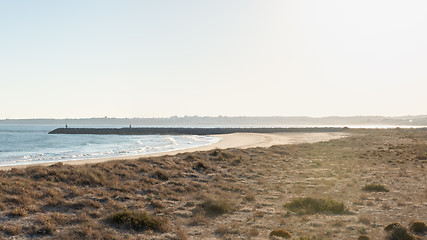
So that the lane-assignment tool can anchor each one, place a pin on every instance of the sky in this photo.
(88, 58)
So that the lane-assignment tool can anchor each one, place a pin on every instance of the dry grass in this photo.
(375, 188)
(280, 233)
(11, 230)
(140, 221)
(217, 206)
(316, 205)
(224, 229)
(198, 219)
(363, 237)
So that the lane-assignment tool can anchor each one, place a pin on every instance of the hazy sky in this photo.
(255, 58)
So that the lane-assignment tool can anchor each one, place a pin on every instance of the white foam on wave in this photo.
(65, 147)
(172, 141)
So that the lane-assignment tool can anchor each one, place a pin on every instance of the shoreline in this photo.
(231, 140)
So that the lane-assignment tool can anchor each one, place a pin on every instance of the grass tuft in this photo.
(316, 205)
(375, 188)
(160, 174)
(418, 227)
(140, 221)
(18, 212)
(11, 230)
(280, 233)
(391, 226)
(44, 229)
(363, 237)
(218, 206)
(398, 232)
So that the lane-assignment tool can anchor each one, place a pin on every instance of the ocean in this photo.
(29, 144)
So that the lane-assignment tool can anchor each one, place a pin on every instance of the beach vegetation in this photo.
(399, 232)
(311, 205)
(363, 237)
(181, 234)
(11, 229)
(225, 229)
(46, 228)
(390, 226)
(140, 221)
(217, 205)
(221, 155)
(375, 188)
(201, 166)
(18, 212)
(253, 232)
(281, 233)
(198, 219)
(418, 227)
(160, 174)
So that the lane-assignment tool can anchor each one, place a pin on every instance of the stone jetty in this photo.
(186, 131)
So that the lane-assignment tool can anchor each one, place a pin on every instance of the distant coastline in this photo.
(223, 121)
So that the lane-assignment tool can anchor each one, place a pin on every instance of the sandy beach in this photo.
(233, 140)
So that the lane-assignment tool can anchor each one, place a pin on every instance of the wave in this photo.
(65, 147)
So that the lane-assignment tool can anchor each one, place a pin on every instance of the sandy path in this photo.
(233, 140)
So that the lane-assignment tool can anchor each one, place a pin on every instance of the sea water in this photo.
(29, 144)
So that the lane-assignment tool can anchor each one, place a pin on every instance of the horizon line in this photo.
(218, 116)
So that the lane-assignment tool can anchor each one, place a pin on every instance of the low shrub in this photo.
(181, 234)
(398, 232)
(43, 229)
(11, 230)
(363, 237)
(160, 174)
(375, 188)
(140, 221)
(18, 212)
(418, 227)
(198, 219)
(280, 233)
(200, 166)
(391, 226)
(85, 203)
(223, 229)
(218, 206)
(315, 205)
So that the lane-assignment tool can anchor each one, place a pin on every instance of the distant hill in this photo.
(233, 121)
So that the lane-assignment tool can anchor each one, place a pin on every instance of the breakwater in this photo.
(186, 131)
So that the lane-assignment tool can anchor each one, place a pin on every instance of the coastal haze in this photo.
(224, 121)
